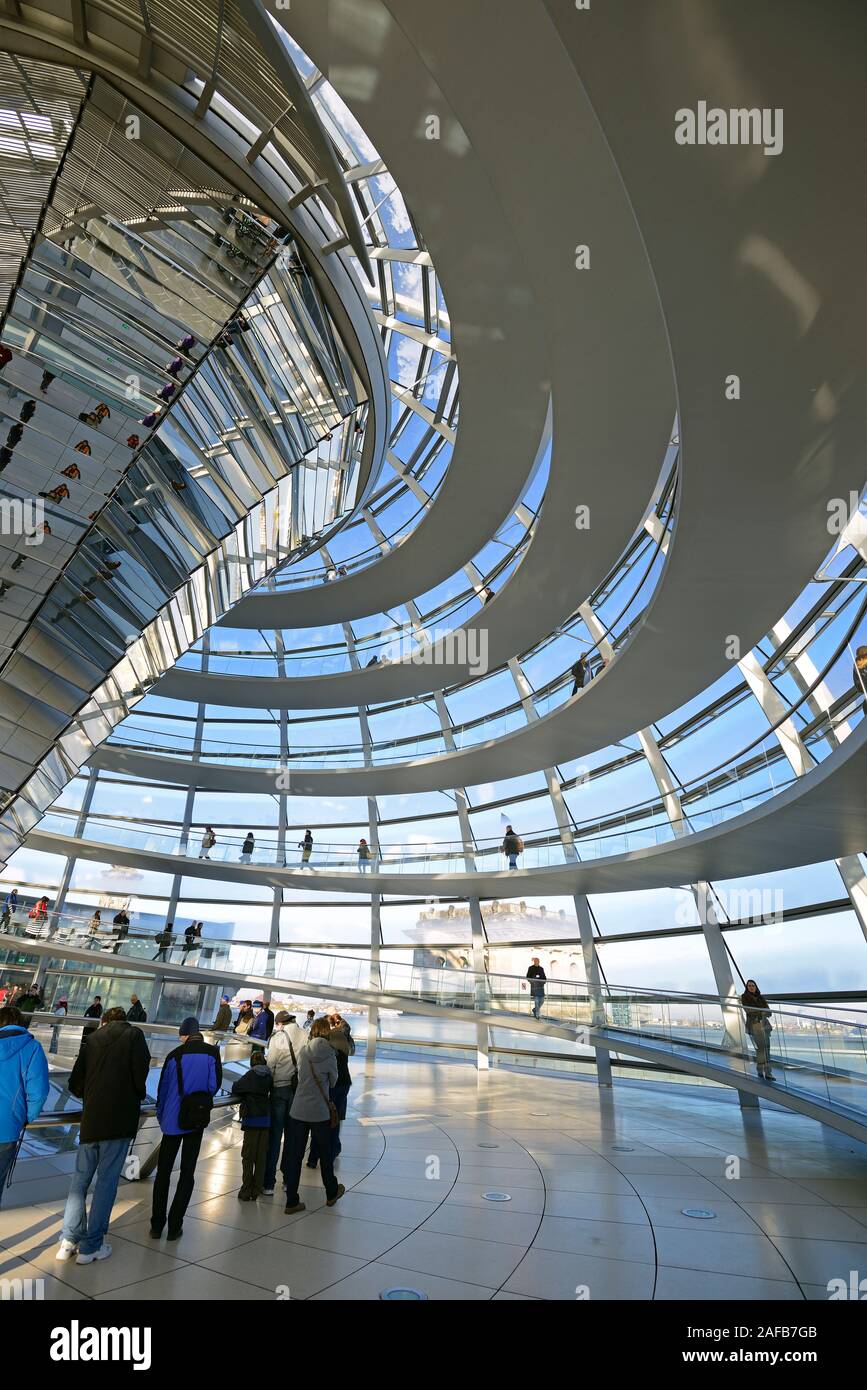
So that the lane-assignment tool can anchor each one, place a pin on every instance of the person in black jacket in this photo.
(94, 1012)
(254, 1088)
(192, 938)
(579, 674)
(120, 927)
(165, 940)
(110, 1077)
(135, 1013)
(537, 978)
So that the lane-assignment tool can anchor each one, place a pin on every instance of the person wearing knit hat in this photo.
(189, 1080)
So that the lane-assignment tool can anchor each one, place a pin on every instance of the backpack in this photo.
(520, 845)
(194, 1111)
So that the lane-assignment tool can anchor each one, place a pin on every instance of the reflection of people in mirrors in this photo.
(859, 672)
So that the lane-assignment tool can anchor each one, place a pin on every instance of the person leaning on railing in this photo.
(758, 1024)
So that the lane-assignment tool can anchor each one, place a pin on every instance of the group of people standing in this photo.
(295, 1089)
(255, 1019)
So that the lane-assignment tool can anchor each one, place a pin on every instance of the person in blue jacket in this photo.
(263, 1020)
(23, 1085)
(199, 1065)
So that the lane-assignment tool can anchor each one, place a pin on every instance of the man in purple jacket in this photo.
(191, 1073)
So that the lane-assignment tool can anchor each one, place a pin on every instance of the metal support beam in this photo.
(555, 791)
(818, 701)
(733, 1030)
(375, 976)
(478, 938)
(78, 15)
(594, 982)
(774, 711)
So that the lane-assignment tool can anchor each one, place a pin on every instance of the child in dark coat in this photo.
(254, 1088)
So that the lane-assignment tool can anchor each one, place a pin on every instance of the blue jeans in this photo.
(281, 1103)
(7, 1153)
(538, 995)
(104, 1160)
(513, 861)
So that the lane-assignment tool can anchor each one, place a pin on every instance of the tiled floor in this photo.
(597, 1184)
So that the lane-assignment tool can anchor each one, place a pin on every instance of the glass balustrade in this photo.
(705, 803)
(813, 1051)
(821, 735)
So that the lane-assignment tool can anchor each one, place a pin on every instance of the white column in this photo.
(594, 984)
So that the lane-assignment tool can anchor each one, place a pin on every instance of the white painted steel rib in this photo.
(524, 320)
(757, 472)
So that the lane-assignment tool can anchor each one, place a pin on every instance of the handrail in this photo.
(447, 849)
(551, 687)
(52, 1020)
(54, 1118)
(579, 990)
(379, 641)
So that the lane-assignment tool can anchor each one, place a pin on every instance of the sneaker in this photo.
(267, 1192)
(337, 1196)
(290, 1211)
(66, 1249)
(101, 1254)
(242, 1197)
(175, 1235)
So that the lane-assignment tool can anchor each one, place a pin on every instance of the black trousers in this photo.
(189, 1145)
(254, 1156)
(298, 1132)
